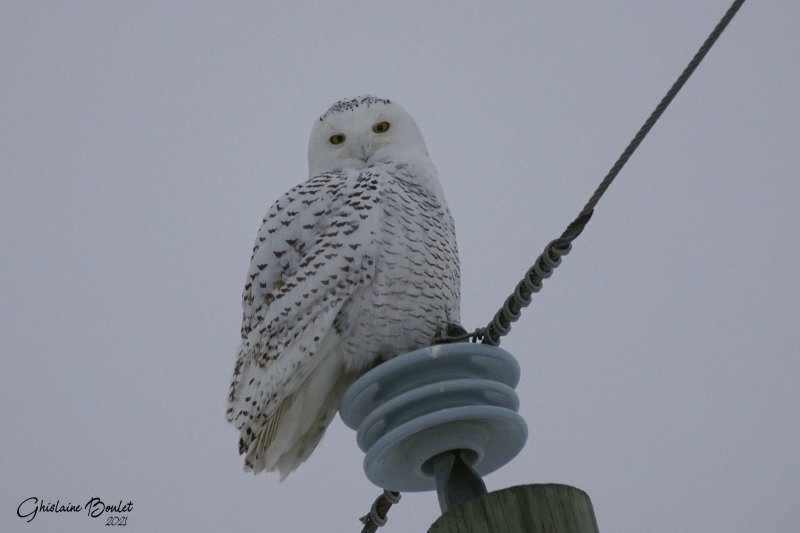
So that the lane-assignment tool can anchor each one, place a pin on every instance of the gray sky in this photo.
(142, 142)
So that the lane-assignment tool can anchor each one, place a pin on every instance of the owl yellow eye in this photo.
(337, 138)
(381, 127)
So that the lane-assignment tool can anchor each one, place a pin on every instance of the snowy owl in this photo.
(350, 268)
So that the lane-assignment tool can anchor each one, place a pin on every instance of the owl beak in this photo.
(365, 148)
(364, 153)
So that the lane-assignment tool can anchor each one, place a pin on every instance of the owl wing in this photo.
(314, 251)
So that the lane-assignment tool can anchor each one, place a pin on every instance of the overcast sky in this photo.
(142, 142)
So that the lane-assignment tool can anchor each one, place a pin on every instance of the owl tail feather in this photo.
(296, 427)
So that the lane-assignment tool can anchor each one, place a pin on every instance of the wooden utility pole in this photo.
(548, 508)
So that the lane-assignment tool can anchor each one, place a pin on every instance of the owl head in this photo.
(356, 133)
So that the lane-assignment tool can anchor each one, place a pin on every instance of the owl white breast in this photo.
(350, 268)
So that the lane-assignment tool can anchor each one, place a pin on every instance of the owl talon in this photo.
(453, 332)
